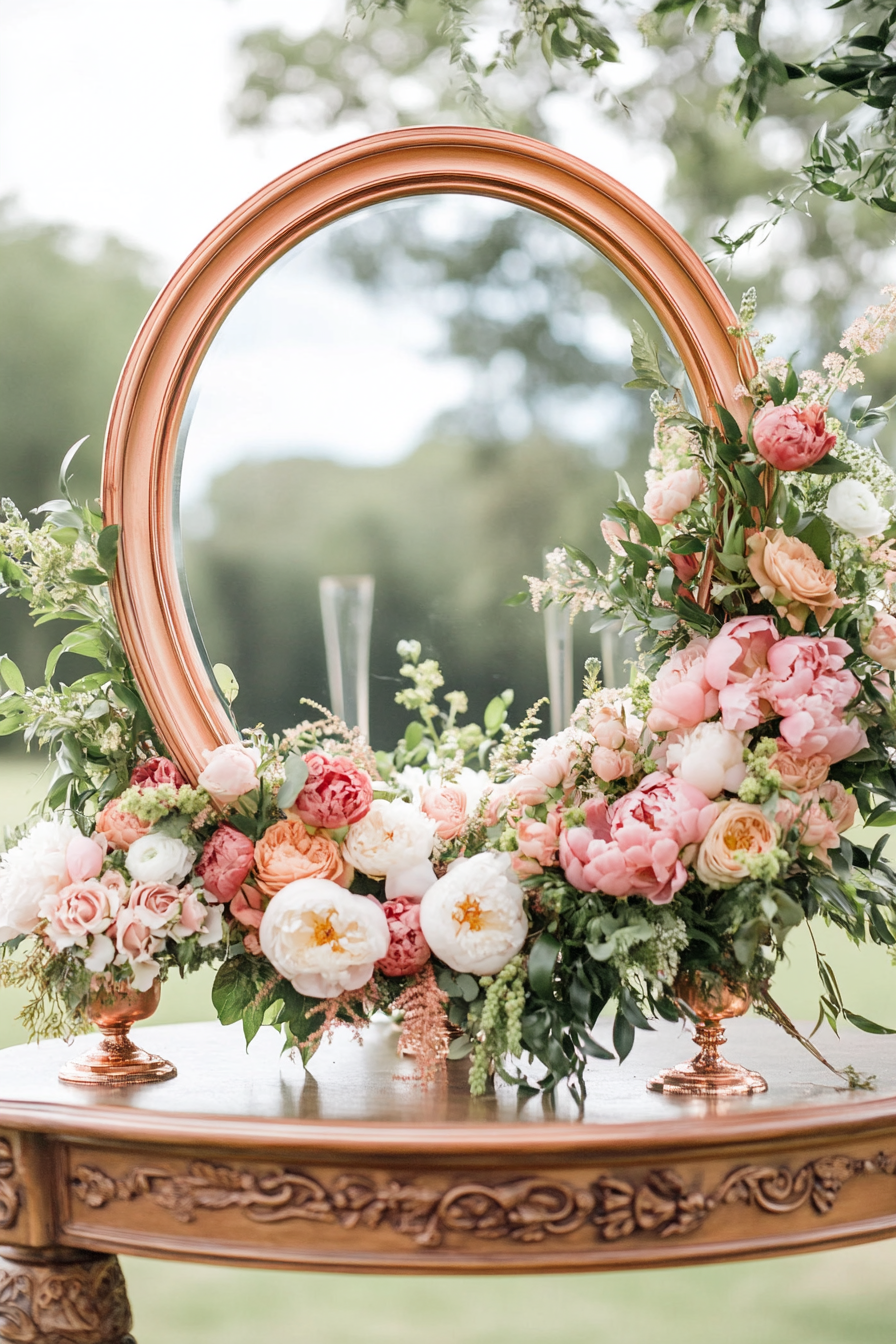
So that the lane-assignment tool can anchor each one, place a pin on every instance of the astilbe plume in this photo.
(352, 1007)
(424, 1031)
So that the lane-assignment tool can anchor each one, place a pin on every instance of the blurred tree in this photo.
(69, 311)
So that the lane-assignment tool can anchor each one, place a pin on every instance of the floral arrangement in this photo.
(493, 890)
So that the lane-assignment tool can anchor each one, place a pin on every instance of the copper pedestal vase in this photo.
(708, 1074)
(115, 1061)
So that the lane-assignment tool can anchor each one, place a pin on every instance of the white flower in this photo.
(709, 757)
(159, 858)
(102, 952)
(855, 508)
(213, 928)
(323, 938)
(230, 771)
(411, 882)
(392, 835)
(32, 870)
(473, 918)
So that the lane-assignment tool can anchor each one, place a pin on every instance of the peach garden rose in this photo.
(740, 828)
(287, 852)
(791, 577)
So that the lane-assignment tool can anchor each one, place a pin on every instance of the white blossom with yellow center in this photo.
(474, 918)
(392, 835)
(322, 938)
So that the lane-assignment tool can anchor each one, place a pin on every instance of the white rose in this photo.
(709, 757)
(213, 928)
(392, 835)
(230, 772)
(473, 918)
(323, 938)
(159, 858)
(855, 508)
(29, 872)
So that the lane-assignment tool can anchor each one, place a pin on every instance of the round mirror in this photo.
(391, 426)
(363, 410)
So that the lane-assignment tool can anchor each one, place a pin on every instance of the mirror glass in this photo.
(429, 393)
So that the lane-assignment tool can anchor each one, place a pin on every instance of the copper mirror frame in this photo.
(149, 404)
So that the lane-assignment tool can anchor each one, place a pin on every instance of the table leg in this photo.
(57, 1295)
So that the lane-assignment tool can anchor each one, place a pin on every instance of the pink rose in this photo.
(447, 806)
(336, 793)
(610, 765)
(408, 950)
(881, 642)
(792, 437)
(225, 864)
(192, 915)
(799, 666)
(120, 828)
(812, 726)
(78, 910)
(800, 774)
(527, 789)
(247, 907)
(538, 840)
(669, 497)
(682, 697)
(230, 771)
(84, 858)
(814, 828)
(116, 882)
(136, 941)
(155, 904)
(739, 650)
(842, 806)
(686, 567)
(555, 763)
(157, 770)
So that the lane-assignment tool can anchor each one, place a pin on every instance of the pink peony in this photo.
(120, 828)
(669, 497)
(336, 793)
(230, 771)
(408, 949)
(682, 696)
(881, 642)
(813, 726)
(157, 770)
(634, 848)
(225, 864)
(84, 858)
(447, 807)
(799, 666)
(792, 437)
(739, 650)
(744, 704)
(248, 906)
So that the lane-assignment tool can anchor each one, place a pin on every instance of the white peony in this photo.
(709, 757)
(159, 858)
(473, 918)
(411, 882)
(392, 835)
(855, 508)
(32, 870)
(323, 938)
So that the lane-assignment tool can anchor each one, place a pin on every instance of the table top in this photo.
(361, 1094)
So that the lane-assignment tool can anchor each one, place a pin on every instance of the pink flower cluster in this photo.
(640, 845)
(750, 674)
(819, 818)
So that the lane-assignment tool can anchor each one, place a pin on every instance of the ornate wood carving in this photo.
(525, 1210)
(78, 1298)
(10, 1199)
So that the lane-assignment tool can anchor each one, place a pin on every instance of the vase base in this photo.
(104, 1067)
(695, 1079)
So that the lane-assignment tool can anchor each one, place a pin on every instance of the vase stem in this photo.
(346, 605)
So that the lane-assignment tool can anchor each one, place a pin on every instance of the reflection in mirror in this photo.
(428, 392)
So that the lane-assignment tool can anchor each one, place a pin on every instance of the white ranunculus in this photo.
(29, 872)
(159, 858)
(474, 918)
(392, 835)
(323, 938)
(855, 508)
(709, 757)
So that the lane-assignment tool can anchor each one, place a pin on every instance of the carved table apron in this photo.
(246, 1159)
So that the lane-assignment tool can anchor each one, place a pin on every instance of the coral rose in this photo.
(286, 853)
(799, 774)
(881, 642)
(447, 807)
(408, 950)
(247, 907)
(740, 828)
(682, 697)
(226, 860)
(335, 794)
(791, 577)
(670, 496)
(792, 437)
(157, 770)
(120, 828)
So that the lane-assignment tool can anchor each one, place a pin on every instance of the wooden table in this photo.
(246, 1159)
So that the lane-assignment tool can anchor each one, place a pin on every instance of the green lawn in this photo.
(838, 1297)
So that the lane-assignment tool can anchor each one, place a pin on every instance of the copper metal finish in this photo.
(141, 442)
(115, 1061)
(708, 1074)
